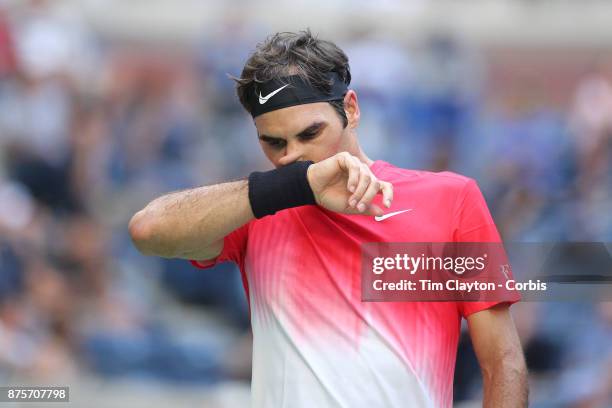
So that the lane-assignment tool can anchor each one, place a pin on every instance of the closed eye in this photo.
(308, 136)
(311, 131)
(308, 133)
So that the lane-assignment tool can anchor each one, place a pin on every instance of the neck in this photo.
(363, 158)
(356, 150)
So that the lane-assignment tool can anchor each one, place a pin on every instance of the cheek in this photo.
(335, 141)
(324, 148)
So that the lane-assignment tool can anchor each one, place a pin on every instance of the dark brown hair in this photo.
(286, 53)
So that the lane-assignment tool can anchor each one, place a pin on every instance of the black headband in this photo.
(290, 91)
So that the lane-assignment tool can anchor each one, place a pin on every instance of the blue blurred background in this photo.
(105, 105)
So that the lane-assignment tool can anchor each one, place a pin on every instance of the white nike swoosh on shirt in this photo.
(264, 99)
(385, 216)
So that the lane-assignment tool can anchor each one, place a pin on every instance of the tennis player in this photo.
(296, 234)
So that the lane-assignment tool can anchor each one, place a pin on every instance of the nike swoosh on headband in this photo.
(264, 99)
(384, 217)
(297, 91)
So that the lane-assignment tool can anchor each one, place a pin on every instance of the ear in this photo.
(351, 107)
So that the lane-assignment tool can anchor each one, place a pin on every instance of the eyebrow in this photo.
(312, 128)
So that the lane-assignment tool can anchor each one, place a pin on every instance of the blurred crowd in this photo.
(93, 128)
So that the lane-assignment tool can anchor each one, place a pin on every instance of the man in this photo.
(296, 234)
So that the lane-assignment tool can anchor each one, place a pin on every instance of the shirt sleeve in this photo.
(234, 249)
(473, 223)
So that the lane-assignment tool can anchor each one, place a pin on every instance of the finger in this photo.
(343, 160)
(375, 210)
(368, 196)
(353, 174)
(364, 181)
(387, 192)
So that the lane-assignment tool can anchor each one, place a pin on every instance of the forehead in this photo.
(293, 119)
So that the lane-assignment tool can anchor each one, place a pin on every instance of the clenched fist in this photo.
(344, 184)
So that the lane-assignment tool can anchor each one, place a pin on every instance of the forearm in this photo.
(505, 384)
(191, 223)
(500, 356)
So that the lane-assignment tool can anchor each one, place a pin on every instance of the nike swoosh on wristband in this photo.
(264, 99)
(385, 216)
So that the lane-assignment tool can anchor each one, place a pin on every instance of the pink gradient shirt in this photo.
(315, 343)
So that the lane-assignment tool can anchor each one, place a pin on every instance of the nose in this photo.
(292, 153)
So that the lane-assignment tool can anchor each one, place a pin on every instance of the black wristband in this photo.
(275, 190)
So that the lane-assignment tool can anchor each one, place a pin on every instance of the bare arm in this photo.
(500, 355)
(191, 224)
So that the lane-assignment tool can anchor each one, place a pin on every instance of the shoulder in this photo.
(446, 181)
